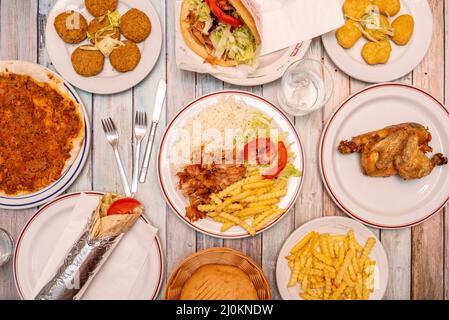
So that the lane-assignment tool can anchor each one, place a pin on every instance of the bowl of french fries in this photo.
(214, 256)
(332, 258)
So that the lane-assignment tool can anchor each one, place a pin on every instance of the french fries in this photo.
(332, 267)
(251, 203)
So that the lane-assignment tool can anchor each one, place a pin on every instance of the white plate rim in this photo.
(120, 86)
(180, 215)
(61, 198)
(328, 220)
(40, 197)
(323, 175)
(354, 71)
(292, 54)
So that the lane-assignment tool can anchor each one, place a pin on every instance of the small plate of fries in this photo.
(332, 258)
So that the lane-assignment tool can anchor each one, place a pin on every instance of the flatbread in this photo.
(41, 75)
(199, 48)
(219, 282)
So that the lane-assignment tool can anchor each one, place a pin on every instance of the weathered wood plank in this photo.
(181, 239)
(310, 205)
(341, 92)
(428, 238)
(144, 95)
(446, 91)
(18, 41)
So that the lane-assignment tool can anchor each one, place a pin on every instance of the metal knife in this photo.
(158, 104)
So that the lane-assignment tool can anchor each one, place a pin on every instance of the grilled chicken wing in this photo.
(398, 149)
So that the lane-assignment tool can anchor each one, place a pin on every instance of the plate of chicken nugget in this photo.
(381, 40)
(384, 156)
(104, 46)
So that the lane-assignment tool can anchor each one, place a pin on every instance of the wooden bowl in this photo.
(217, 256)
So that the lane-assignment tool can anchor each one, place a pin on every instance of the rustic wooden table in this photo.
(418, 257)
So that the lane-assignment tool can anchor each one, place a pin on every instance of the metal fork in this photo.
(112, 137)
(140, 131)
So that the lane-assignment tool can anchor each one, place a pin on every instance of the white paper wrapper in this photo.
(125, 264)
(281, 23)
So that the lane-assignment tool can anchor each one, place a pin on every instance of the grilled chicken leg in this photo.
(398, 149)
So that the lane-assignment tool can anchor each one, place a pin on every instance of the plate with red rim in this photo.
(403, 59)
(42, 74)
(109, 81)
(169, 182)
(338, 226)
(387, 203)
(33, 248)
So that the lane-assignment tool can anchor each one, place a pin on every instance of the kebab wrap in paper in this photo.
(88, 254)
(228, 39)
(107, 226)
(280, 24)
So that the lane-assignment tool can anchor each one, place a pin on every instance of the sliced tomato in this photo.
(123, 206)
(220, 14)
(277, 168)
(263, 149)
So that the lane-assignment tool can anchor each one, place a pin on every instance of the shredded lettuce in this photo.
(202, 12)
(290, 171)
(238, 44)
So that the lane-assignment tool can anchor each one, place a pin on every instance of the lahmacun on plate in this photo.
(42, 129)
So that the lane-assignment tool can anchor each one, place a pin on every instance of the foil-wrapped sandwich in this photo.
(113, 217)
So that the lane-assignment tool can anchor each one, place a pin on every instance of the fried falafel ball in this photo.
(388, 7)
(135, 25)
(376, 52)
(87, 63)
(98, 8)
(355, 8)
(71, 26)
(125, 58)
(348, 34)
(99, 23)
(403, 27)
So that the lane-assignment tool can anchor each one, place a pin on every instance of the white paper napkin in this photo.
(281, 23)
(118, 275)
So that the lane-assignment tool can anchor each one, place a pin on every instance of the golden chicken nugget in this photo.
(380, 32)
(403, 28)
(388, 7)
(348, 34)
(376, 52)
(355, 8)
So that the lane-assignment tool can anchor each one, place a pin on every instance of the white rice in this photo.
(214, 127)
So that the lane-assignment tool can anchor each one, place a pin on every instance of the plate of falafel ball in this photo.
(103, 46)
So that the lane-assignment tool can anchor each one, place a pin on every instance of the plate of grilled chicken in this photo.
(383, 156)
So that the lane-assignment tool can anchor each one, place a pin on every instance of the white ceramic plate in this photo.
(271, 66)
(169, 181)
(403, 59)
(69, 176)
(109, 81)
(384, 202)
(44, 229)
(333, 225)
